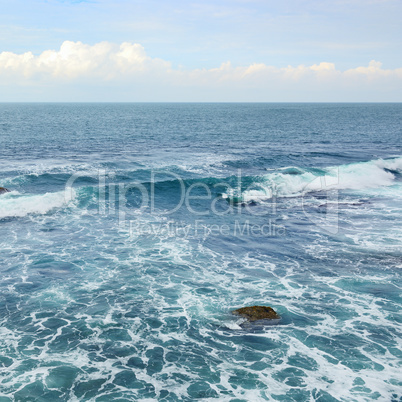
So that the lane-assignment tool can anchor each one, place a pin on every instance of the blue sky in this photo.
(192, 37)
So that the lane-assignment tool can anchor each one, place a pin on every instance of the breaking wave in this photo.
(295, 182)
(15, 204)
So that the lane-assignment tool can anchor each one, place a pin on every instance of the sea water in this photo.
(131, 231)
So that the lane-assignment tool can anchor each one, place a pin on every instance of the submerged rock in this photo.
(3, 190)
(255, 313)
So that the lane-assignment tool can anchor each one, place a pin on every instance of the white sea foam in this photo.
(196, 311)
(355, 176)
(16, 205)
(198, 326)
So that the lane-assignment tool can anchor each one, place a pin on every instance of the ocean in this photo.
(132, 231)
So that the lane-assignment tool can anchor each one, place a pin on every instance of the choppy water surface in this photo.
(106, 294)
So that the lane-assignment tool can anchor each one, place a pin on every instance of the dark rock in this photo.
(255, 313)
(3, 190)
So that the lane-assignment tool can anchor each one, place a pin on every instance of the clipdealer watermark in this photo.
(202, 202)
(203, 229)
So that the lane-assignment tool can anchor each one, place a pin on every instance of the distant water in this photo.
(114, 285)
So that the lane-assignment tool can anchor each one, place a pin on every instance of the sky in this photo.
(201, 51)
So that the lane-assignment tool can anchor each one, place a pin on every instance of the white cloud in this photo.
(127, 65)
(75, 59)
(374, 70)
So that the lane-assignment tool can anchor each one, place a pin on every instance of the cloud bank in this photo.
(75, 59)
(126, 71)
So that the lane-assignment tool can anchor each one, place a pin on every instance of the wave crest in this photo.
(296, 182)
(17, 205)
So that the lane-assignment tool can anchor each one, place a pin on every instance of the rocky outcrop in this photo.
(3, 190)
(255, 313)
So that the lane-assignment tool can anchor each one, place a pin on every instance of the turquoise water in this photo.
(131, 231)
